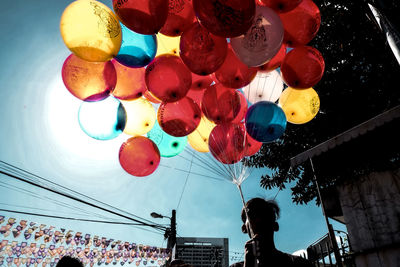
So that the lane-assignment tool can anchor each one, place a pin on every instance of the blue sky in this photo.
(39, 132)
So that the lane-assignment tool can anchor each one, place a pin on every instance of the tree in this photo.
(360, 82)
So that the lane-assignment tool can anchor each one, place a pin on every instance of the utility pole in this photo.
(172, 236)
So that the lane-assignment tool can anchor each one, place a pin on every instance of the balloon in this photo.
(102, 120)
(137, 50)
(200, 82)
(198, 139)
(196, 95)
(88, 81)
(243, 109)
(168, 145)
(91, 30)
(265, 121)
(275, 62)
(220, 104)
(302, 67)
(139, 156)
(142, 16)
(252, 146)
(130, 82)
(280, 6)
(180, 17)
(140, 116)
(233, 73)
(167, 45)
(152, 98)
(266, 86)
(227, 142)
(202, 52)
(179, 118)
(168, 78)
(262, 41)
(225, 18)
(300, 106)
(301, 24)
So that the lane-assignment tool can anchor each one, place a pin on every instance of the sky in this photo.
(39, 132)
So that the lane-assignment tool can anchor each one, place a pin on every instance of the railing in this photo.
(321, 251)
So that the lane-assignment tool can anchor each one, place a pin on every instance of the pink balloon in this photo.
(262, 41)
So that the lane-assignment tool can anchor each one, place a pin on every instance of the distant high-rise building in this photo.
(203, 252)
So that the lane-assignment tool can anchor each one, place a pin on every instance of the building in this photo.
(203, 252)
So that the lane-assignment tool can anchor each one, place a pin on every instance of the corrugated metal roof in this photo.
(348, 135)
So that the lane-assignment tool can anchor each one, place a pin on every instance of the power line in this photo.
(78, 193)
(80, 200)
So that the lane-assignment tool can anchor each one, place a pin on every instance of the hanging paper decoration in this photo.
(46, 251)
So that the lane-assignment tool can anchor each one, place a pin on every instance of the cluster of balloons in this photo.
(211, 73)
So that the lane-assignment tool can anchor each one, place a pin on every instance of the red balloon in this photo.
(220, 104)
(233, 73)
(179, 118)
(130, 82)
(168, 78)
(200, 82)
(227, 142)
(142, 16)
(301, 24)
(302, 67)
(252, 146)
(275, 62)
(243, 109)
(180, 17)
(139, 156)
(202, 52)
(225, 18)
(149, 96)
(196, 95)
(88, 81)
(280, 6)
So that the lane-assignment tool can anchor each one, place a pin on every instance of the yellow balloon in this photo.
(198, 139)
(300, 106)
(167, 45)
(91, 30)
(141, 116)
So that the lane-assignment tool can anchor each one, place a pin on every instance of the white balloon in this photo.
(266, 86)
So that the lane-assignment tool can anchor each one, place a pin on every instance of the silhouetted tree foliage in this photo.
(361, 80)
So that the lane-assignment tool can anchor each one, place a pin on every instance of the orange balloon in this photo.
(88, 81)
(130, 82)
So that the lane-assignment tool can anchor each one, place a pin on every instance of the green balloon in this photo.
(168, 145)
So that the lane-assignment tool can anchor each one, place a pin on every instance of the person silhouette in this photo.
(68, 261)
(260, 224)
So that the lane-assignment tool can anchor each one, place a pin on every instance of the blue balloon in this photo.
(102, 120)
(168, 145)
(265, 121)
(137, 50)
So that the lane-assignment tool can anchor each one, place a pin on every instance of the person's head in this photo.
(262, 216)
(68, 261)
